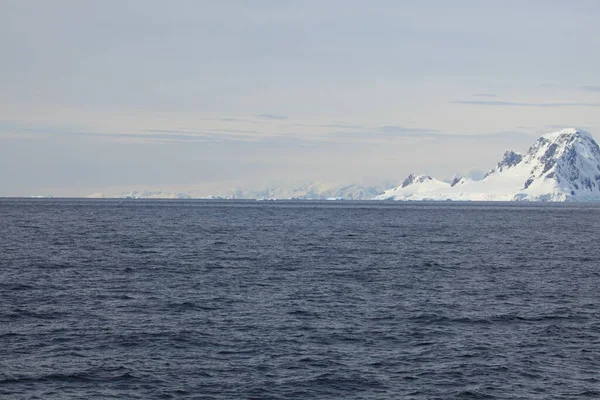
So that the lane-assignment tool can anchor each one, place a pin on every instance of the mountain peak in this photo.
(567, 133)
(509, 159)
(412, 178)
(566, 146)
(560, 166)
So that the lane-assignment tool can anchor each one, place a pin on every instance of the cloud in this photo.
(340, 126)
(203, 131)
(476, 174)
(392, 131)
(271, 116)
(387, 132)
(591, 88)
(163, 136)
(562, 126)
(485, 95)
(233, 120)
(17, 130)
(518, 104)
(159, 137)
(404, 131)
(12, 130)
(14, 127)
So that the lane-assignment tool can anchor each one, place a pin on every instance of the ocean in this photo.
(151, 299)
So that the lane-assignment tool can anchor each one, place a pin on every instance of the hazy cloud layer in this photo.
(517, 104)
(562, 126)
(184, 162)
(341, 126)
(210, 94)
(235, 120)
(271, 116)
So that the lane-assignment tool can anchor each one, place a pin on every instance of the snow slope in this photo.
(314, 191)
(158, 194)
(309, 191)
(559, 166)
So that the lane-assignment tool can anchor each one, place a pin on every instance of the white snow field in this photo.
(560, 166)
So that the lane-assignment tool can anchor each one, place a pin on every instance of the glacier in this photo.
(307, 191)
(559, 166)
(315, 191)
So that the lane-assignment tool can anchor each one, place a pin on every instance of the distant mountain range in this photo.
(310, 191)
(559, 166)
(142, 194)
(316, 191)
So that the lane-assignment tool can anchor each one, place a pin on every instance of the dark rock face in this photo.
(569, 169)
(455, 181)
(509, 159)
(571, 156)
(559, 166)
(562, 160)
(548, 166)
(415, 179)
(548, 159)
(408, 181)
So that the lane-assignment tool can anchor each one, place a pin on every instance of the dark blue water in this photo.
(307, 300)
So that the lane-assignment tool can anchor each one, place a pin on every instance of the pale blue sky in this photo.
(208, 95)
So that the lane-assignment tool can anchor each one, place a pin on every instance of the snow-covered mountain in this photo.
(314, 191)
(560, 166)
(142, 194)
(309, 191)
(157, 194)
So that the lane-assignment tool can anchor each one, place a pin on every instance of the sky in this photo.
(206, 96)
